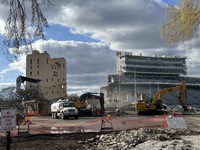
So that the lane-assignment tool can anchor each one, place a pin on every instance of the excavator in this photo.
(155, 106)
(90, 104)
(22, 79)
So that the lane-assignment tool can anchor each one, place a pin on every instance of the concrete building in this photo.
(146, 66)
(52, 72)
(140, 76)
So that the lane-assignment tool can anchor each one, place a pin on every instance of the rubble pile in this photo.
(144, 138)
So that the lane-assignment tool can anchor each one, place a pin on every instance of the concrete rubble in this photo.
(145, 139)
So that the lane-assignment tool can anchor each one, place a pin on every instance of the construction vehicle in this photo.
(22, 79)
(29, 103)
(155, 106)
(90, 104)
(63, 109)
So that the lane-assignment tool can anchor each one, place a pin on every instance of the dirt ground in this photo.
(77, 141)
(49, 142)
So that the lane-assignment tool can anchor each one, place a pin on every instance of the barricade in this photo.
(164, 121)
(106, 123)
(25, 123)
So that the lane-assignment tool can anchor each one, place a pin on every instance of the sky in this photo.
(88, 33)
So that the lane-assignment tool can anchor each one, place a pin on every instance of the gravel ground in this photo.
(141, 139)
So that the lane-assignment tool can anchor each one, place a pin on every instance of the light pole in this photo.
(119, 92)
(135, 85)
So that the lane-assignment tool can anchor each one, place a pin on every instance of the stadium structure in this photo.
(140, 77)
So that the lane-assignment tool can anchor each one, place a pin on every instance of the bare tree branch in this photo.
(16, 28)
(182, 21)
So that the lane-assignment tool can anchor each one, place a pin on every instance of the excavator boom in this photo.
(22, 79)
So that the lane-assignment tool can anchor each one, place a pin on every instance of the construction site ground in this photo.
(43, 132)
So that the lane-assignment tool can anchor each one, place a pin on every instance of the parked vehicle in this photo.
(63, 109)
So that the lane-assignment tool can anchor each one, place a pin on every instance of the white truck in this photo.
(63, 109)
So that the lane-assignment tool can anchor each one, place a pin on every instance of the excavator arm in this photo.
(22, 79)
(181, 98)
(81, 102)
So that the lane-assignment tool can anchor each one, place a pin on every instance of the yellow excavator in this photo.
(155, 105)
(90, 104)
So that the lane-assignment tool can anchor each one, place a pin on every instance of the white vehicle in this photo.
(63, 109)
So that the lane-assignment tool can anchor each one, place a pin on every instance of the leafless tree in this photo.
(32, 98)
(16, 28)
(182, 21)
(10, 97)
(73, 96)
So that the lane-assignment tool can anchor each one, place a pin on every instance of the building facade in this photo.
(51, 72)
(140, 76)
(128, 64)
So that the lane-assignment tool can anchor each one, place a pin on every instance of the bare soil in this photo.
(49, 142)
(72, 141)
(77, 141)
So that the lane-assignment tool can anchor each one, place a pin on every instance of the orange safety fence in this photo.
(164, 123)
(35, 113)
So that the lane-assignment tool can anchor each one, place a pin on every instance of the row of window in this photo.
(52, 79)
(53, 92)
(47, 62)
(53, 68)
(161, 70)
(153, 58)
(31, 73)
(178, 64)
(31, 61)
(47, 80)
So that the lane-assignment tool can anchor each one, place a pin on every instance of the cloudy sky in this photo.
(89, 32)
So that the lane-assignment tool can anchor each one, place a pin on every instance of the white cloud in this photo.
(18, 65)
(128, 25)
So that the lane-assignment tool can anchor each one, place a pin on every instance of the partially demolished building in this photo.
(140, 77)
